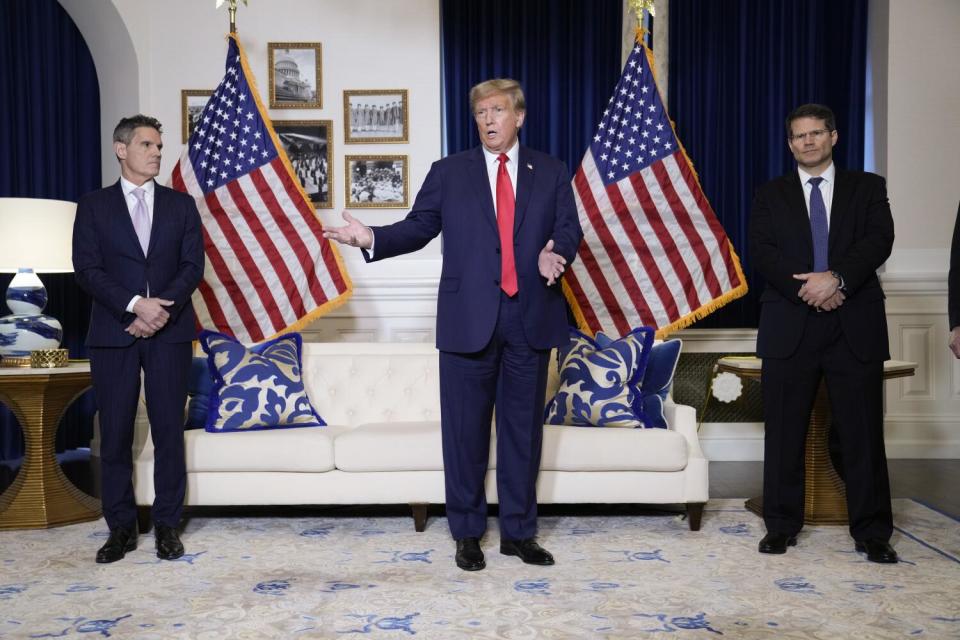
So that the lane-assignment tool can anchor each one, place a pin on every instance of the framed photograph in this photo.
(192, 102)
(375, 115)
(309, 145)
(295, 75)
(376, 182)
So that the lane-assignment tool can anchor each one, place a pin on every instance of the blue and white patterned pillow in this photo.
(258, 387)
(653, 388)
(598, 384)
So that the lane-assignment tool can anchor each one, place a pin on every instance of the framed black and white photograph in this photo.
(375, 116)
(295, 75)
(376, 182)
(309, 146)
(192, 102)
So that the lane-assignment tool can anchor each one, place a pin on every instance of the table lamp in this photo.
(36, 237)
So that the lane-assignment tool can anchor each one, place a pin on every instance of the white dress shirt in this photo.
(148, 188)
(826, 188)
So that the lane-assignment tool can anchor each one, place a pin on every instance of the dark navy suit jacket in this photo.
(455, 200)
(860, 240)
(109, 263)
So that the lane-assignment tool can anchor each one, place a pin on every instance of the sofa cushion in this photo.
(287, 450)
(258, 387)
(199, 386)
(390, 446)
(577, 449)
(598, 383)
(657, 380)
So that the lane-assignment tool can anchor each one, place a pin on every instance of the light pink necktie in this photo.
(141, 219)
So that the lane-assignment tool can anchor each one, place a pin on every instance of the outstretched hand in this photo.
(551, 264)
(354, 233)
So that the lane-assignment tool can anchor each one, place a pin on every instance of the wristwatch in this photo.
(843, 285)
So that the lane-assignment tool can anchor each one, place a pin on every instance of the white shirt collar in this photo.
(829, 175)
(128, 187)
(513, 153)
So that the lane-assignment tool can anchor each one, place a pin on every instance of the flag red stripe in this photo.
(670, 248)
(690, 232)
(233, 292)
(723, 243)
(270, 251)
(589, 261)
(296, 243)
(254, 278)
(589, 315)
(310, 219)
(633, 234)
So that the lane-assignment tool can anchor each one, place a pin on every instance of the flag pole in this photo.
(232, 11)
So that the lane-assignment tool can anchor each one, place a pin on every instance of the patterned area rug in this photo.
(616, 577)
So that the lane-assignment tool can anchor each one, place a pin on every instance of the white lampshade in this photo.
(36, 234)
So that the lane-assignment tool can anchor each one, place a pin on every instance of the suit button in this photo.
(496, 282)
(498, 250)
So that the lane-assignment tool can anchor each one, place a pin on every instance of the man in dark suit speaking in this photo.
(818, 236)
(499, 311)
(138, 251)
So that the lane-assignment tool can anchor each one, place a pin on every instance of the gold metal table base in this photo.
(41, 496)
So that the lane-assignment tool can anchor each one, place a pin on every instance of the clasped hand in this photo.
(151, 317)
(820, 290)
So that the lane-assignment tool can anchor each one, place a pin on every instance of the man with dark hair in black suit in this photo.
(818, 236)
(138, 251)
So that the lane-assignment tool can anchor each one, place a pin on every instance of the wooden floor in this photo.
(933, 482)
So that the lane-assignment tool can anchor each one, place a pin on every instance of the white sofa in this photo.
(382, 403)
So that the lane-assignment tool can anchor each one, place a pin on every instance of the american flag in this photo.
(269, 269)
(653, 252)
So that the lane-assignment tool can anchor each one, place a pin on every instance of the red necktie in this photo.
(508, 268)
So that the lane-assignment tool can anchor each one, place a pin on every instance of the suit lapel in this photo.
(124, 221)
(842, 194)
(159, 200)
(480, 180)
(799, 218)
(525, 177)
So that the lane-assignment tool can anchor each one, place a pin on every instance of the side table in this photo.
(825, 495)
(41, 496)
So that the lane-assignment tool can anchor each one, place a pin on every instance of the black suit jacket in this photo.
(953, 280)
(455, 200)
(109, 263)
(781, 244)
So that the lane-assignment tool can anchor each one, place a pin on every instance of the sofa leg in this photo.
(143, 519)
(419, 515)
(694, 514)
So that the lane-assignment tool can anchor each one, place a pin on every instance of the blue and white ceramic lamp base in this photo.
(27, 329)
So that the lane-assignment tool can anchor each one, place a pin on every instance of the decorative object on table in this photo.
(376, 182)
(309, 147)
(599, 381)
(726, 387)
(375, 116)
(295, 75)
(37, 238)
(49, 358)
(258, 387)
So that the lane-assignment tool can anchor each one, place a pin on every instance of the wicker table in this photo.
(41, 496)
(825, 496)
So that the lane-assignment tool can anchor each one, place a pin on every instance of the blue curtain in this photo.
(50, 132)
(737, 68)
(565, 54)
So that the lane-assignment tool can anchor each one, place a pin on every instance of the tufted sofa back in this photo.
(351, 383)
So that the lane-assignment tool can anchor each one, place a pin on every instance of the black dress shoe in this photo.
(469, 555)
(528, 550)
(877, 551)
(169, 546)
(777, 542)
(121, 540)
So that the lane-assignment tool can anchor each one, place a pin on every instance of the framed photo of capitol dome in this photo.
(295, 75)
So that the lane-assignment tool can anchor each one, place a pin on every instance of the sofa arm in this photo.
(683, 420)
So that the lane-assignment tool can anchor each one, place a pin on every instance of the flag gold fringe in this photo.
(709, 307)
(340, 300)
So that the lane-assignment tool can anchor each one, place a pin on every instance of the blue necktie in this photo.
(818, 226)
